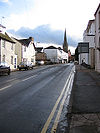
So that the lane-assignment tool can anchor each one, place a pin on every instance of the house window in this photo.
(32, 60)
(24, 48)
(12, 60)
(3, 43)
(3, 58)
(12, 46)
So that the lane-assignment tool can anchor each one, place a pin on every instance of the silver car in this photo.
(25, 65)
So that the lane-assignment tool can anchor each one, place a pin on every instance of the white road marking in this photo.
(29, 78)
(5, 87)
(16, 82)
(11, 80)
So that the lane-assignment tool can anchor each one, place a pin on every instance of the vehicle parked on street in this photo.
(25, 65)
(4, 68)
(40, 62)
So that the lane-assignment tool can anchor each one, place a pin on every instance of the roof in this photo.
(39, 49)
(97, 10)
(26, 42)
(6, 37)
(51, 47)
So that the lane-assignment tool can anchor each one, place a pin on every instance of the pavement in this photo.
(84, 107)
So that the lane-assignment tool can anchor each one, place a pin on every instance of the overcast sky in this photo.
(59, 14)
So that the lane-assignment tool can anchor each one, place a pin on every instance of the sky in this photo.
(50, 15)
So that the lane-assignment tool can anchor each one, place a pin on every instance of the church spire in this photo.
(65, 44)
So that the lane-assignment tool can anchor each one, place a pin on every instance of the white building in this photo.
(7, 49)
(28, 50)
(97, 39)
(53, 54)
(89, 36)
(64, 56)
(56, 55)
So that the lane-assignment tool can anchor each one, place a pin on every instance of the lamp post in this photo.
(37, 43)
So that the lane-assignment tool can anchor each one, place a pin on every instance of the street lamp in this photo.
(37, 43)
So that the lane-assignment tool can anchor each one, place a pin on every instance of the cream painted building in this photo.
(7, 50)
(97, 39)
(89, 36)
(18, 50)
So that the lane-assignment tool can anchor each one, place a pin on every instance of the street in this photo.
(30, 100)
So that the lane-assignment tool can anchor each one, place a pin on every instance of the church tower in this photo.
(65, 44)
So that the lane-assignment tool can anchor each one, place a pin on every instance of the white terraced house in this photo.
(89, 36)
(97, 39)
(7, 49)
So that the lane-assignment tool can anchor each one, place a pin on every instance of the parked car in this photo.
(25, 65)
(40, 62)
(4, 68)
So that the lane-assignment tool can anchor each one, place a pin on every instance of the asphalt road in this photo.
(28, 98)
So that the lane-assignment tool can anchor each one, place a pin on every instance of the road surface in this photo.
(32, 101)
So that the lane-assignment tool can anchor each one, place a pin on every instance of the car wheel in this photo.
(9, 72)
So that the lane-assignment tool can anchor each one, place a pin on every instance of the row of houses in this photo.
(89, 49)
(13, 51)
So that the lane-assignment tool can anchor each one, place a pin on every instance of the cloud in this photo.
(44, 34)
(4, 1)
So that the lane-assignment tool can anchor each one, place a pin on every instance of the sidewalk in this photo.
(84, 108)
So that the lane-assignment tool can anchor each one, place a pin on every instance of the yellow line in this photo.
(54, 128)
(59, 112)
(54, 109)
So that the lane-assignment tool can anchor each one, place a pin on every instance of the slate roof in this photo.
(97, 10)
(26, 42)
(51, 47)
(6, 37)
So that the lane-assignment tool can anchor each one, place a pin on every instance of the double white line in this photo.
(67, 87)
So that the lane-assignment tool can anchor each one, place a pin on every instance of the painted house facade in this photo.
(56, 55)
(18, 50)
(28, 50)
(7, 50)
(89, 36)
(97, 39)
(53, 54)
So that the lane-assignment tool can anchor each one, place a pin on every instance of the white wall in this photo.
(8, 52)
(97, 43)
(51, 54)
(29, 55)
